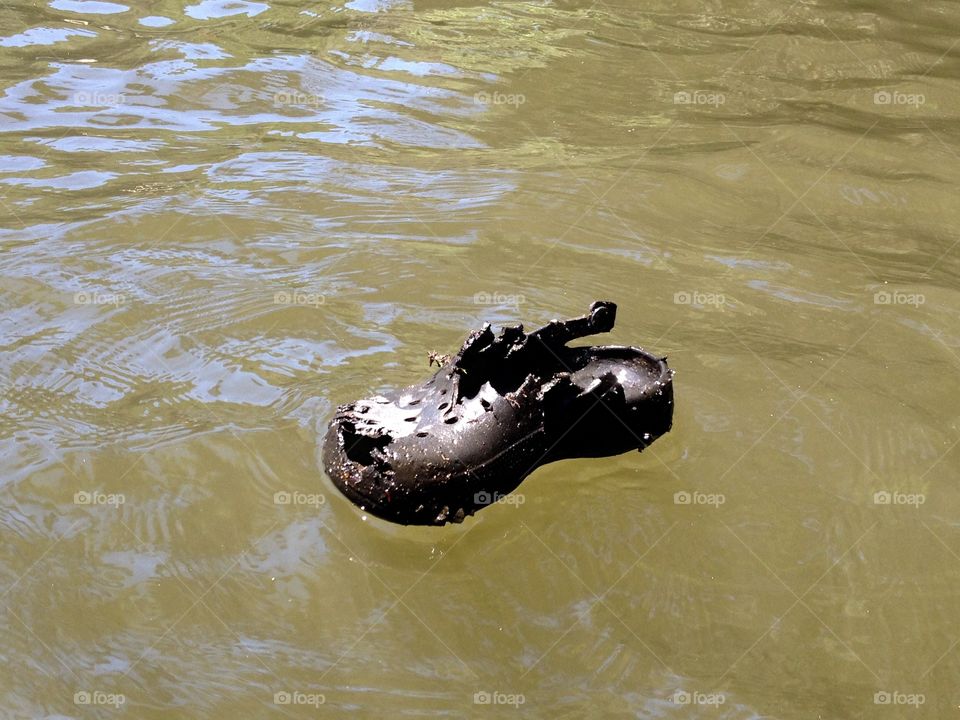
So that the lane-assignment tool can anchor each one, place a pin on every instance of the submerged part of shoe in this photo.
(501, 407)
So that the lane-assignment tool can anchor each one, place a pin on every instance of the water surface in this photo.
(222, 218)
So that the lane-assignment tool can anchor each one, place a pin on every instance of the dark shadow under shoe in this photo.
(501, 407)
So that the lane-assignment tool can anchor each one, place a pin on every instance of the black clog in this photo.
(501, 407)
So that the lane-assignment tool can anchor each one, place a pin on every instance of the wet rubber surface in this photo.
(502, 406)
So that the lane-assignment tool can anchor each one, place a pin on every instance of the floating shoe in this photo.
(500, 408)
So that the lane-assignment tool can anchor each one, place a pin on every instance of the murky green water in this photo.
(221, 219)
